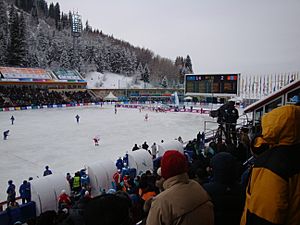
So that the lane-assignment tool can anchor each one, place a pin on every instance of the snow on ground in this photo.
(52, 137)
(112, 80)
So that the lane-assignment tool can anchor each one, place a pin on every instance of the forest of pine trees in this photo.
(33, 34)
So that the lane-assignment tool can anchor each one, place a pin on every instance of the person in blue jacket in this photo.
(47, 171)
(25, 192)
(119, 164)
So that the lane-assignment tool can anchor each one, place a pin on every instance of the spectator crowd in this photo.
(18, 96)
(214, 184)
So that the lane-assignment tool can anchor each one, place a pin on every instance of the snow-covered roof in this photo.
(24, 73)
(63, 74)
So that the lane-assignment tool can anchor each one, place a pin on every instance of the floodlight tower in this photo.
(76, 29)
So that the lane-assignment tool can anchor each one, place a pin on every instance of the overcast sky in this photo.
(257, 36)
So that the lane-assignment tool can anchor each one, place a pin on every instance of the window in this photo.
(274, 104)
(258, 114)
(293, 96)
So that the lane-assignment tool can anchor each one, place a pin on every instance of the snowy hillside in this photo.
(112, 80)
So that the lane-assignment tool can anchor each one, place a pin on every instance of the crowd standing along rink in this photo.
(53, 137)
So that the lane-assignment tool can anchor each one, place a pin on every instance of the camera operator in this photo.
(228, 114)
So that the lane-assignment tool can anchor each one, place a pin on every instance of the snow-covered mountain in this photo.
(41, 37)
(112, 80)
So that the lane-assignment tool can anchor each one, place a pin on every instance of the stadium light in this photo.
(76, 26)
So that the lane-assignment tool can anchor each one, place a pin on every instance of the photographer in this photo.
(228, 114)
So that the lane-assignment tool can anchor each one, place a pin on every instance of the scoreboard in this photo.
(223, 84)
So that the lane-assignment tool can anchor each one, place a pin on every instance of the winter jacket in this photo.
(272, 194)
(85, 180)
(64, 201)
(47, 172)
(224, 190)
(11, 192)
(183, 202)
(25, 190)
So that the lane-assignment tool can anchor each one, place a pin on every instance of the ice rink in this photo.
(52, 137)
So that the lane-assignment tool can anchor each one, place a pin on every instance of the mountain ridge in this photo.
(47, 43)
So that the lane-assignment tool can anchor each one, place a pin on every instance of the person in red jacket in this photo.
(64, 200)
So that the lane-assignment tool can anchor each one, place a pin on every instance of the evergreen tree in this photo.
(15, 45)
(88, 58)
(26, 5)
(75, 59)
(102, 58)
(34, 13)
(164, 82)
(179, 62)
(42, 49)
(65, 21)
(129, 63)
(43, 6)
(146, 74)
(88, 28)
(51, 11)
(57, 16)
(23, 47)
(183, 66)
(140, 71)
(3, 34)
(55, 51)
(70, 18)
(114, 59)
(188, 64)
(99, 60)
(65, 60)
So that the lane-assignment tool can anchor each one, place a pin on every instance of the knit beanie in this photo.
(224, 168)
(173, 163)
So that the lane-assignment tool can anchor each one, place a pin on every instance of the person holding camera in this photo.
(228, 115)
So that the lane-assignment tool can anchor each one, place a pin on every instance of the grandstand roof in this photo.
(63, 74)
(15, 76)
(24, 73)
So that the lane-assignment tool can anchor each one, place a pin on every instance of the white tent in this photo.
(236, 99)
(141, 160)
(188, 98)
(111, 97)
(101, 176)
(172, 145)
(45, 192)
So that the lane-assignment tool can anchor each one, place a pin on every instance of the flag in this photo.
(242, 86)
(275, 79)
(264, 83)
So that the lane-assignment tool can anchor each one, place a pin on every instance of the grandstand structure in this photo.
(140, 94)
(290, 94)
(45, 191)
(37, 77)
(33, 88)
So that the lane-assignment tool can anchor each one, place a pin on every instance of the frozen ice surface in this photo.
(52, 137)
